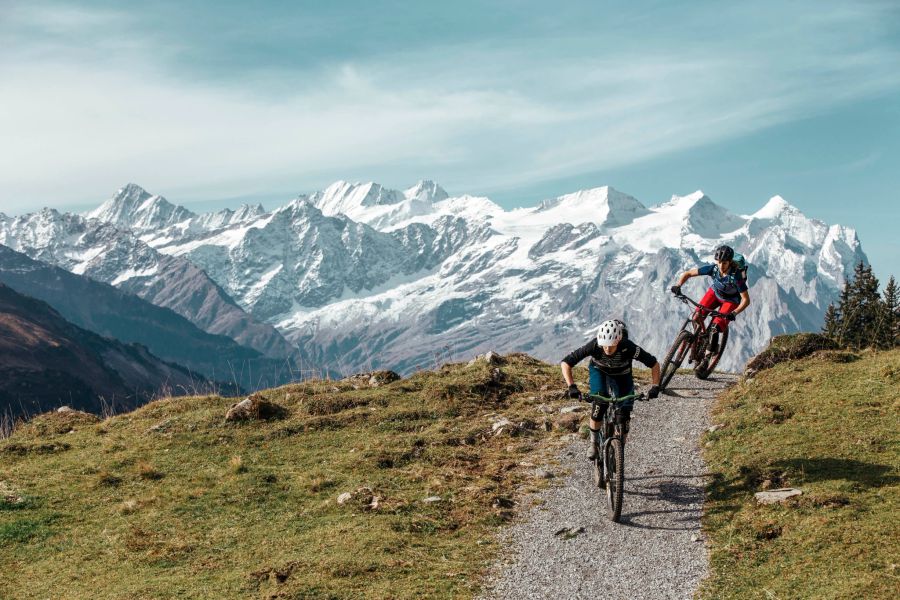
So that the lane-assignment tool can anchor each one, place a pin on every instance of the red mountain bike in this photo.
(691, 343)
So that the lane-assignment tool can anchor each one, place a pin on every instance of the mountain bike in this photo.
(608, 469)
(691, 343)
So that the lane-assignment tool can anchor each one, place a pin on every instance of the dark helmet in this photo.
(723, 253)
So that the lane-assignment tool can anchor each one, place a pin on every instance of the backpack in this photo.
(741, 266)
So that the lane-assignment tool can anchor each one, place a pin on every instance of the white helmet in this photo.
(610, 332)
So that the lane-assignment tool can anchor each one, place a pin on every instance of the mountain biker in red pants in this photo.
(728, 293)
(611, 355)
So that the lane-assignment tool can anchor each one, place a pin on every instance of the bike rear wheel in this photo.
(614, 462)
(676, 355)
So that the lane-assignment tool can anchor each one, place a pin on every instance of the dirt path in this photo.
(656, 551)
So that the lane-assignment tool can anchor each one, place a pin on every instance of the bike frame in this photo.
(609, 423)
(611, 475)
(699, 319)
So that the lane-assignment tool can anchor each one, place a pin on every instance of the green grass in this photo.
(200, 508)
(830, 425)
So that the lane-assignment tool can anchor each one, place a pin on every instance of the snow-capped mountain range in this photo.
(360, 276)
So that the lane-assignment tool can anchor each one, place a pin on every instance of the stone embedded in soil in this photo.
(776, 496)
(500, 424)
(569, 422)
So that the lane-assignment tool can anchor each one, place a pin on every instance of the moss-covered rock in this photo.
(788, 347)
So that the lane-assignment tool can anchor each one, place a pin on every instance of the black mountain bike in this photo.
(691, 343)
(609, 466)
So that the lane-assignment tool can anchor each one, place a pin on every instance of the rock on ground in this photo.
(657, 549)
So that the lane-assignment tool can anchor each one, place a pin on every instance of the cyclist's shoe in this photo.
(595, 442)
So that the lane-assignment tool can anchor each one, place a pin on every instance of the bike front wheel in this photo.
(705, 369)
(676, 355)
(614, 463)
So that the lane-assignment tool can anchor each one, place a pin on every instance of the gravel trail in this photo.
(656, 551)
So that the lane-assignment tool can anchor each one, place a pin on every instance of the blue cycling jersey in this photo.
(728, 287)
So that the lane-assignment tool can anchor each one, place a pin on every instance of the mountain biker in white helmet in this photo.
(611, 355)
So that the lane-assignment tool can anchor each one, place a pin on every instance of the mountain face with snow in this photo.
(360, 276)
(134, 208)
(107, 253)
(114, 313)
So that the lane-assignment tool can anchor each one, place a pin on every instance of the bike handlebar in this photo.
(709, 311)
(610, 400)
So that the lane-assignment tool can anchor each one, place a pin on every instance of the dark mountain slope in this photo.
(45, 361)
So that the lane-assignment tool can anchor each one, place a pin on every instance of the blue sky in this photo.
(212, 103)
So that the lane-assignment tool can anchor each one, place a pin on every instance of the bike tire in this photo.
(674, 358)
(708, 367)
(614, 458)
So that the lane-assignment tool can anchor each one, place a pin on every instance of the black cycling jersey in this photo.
(617, 363)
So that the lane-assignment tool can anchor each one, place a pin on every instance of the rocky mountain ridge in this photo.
(359, 276)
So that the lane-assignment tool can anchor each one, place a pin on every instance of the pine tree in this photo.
(843, 308)
(890, 323)
(832, 327)
(861, 309)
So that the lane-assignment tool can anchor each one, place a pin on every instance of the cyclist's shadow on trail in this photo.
(680, 500)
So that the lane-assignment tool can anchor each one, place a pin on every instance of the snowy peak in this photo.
(227, 217)
(700, 215)
(426, 191)
(776, 208)
(132, 207)
(348, 198)
(780, 216)
(602, 205)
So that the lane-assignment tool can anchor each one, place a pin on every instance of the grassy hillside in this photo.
(830, 425)
(171, 501)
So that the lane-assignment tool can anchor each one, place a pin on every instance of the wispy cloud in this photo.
(91, 99)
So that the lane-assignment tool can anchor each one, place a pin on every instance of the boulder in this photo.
(776, 496)
(372, 379)
(254, 407)
(500, 424)
(568, 422)
(490, 357)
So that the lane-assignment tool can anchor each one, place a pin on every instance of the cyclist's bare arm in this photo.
(745, 302)
(567, 372)
(654, 374)
(687, 275)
